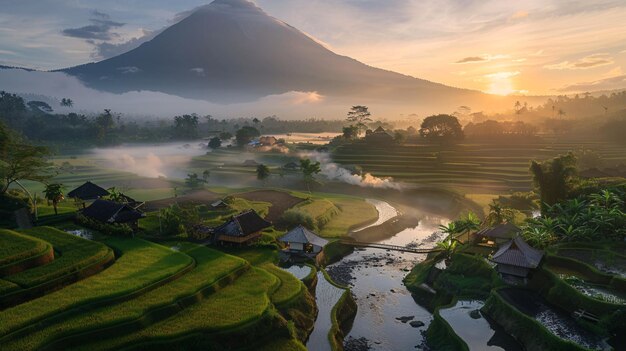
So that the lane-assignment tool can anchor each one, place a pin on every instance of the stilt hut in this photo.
(242, 229)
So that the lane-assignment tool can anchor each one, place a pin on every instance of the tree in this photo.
(20, 160)
(450, 229)
(54, 192)
(186, 127)
(246, 134)
(12, 109)
(350, 132)
(67, 102)
(442, 128)
(205, 175)
(359, 115)
(400, 137)
(469, 223)
(193, 181)
(499, 214)
(262, 172)
(448, 247)
(215, 143)
(105, 123)
(116, 195)
(553, 178)
(225, 136)
(309, 170)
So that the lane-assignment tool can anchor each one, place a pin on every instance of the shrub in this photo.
(105, 228)
(294, 217)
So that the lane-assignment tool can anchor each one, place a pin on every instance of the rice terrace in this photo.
(204, 176)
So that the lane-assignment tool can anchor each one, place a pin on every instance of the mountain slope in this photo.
(232, 51)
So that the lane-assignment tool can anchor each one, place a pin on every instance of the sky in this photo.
(534, 47)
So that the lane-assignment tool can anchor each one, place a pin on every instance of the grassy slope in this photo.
(16, 247)
(211, 266)
(74, 254)
(353, 213)
(142, 264)
(243, 301)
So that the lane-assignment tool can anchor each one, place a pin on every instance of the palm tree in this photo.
(499, 214)
(449, 229)
(309, 170)
(470, 223)
(54, 193)
(448, 247)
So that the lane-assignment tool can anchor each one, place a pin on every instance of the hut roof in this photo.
(250, 163)
(304, 236)
(243, 224)
(500, 231)
(111, 212)
(518, 253)
(88, 191)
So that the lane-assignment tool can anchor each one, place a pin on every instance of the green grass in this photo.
(16, 247)
(352, 214)
(141, 265)
(290, 286)
(212, 265)
(73, 255)
(244, 301)
(7, 287)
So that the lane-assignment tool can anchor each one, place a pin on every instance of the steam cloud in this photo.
(334, 171)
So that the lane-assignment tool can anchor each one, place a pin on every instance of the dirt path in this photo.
(281, 201)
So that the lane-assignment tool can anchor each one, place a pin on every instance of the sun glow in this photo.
(500, 83)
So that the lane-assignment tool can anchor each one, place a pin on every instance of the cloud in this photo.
(99, 29)
(502, 75)
(617, 82)
(591, 61)
(483, 58)
(471, 59)
(129, 69)
(105, 50)
(198, 70)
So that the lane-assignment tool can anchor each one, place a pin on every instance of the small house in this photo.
(87, 192)
(379, 136)
(515, 259)
(498, 234)
(268, 140)
(300, 241)
(243, 229)
(291, 166)
(110, 212)
(219, 204)
(250, 163)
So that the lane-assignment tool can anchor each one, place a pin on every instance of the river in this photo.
(375, 278)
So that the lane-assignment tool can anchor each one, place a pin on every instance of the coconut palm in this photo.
(469, 223)
(448, 247)
(54, 193)
(499, 214)
(449, 229)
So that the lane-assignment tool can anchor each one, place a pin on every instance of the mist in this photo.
(333, 171)
(151, 161)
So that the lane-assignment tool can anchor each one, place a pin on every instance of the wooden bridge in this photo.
(389, 247)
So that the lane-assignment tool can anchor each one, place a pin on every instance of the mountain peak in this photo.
(232, 5)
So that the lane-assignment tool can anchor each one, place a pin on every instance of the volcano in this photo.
(232, 51)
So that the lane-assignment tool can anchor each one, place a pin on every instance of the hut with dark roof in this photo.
(515, 259)
(110, 212)
(379, 136)
(243, 229)
(498, 234)
(88, 191)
